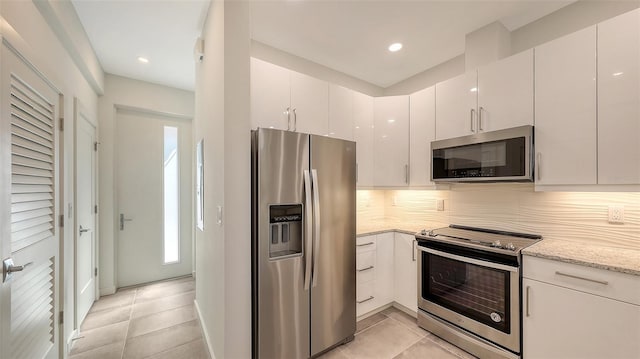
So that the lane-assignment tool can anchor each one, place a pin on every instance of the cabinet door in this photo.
(340, 112)
(422, 128)
(270, 95)
(391, 141)
(456, 101)
(309, 104)
(405, 271)
(619, 100)
(505, 93)
(363, 135)
(565, 130)
(384, 269)
(565, 323)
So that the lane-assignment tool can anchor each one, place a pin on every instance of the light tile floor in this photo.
(153, 321)
(395, 334)
(158, 321)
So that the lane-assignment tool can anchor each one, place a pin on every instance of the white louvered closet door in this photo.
(28, 226)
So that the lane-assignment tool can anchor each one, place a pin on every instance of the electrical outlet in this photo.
(616, 214)
(440, 204)
(394, 201)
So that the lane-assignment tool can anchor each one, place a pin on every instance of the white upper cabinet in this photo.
(456, 101)
(363, 135)
(288, 100)
(422, 128)
(340, 112)
(270, 95)
(619, 100)
(309, 104)
(505, 93)
(391, 141)
(495, 97)
(565, 108)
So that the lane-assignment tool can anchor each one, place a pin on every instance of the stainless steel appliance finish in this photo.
(469, 287)
(303, 243)
(502, 155)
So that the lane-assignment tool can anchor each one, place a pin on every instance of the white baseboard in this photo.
(205, 332)
(70, 341)
(107, 290)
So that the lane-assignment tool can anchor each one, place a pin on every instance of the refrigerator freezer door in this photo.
(333, 298)
(282, 303)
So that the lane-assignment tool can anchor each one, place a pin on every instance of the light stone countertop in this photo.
(609, 258)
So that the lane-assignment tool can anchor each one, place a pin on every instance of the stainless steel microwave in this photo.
(503, 155)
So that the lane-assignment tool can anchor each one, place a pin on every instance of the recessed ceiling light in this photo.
(395, 47)
(617, 73)
(143, 60)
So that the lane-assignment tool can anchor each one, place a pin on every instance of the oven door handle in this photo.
(469, 260)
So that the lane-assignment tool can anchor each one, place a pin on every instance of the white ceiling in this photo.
(165, 32)
(347, 36)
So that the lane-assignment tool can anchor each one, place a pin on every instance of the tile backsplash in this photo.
(580, 217)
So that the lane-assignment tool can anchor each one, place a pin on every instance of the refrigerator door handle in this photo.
(308, 229)
(316, 227)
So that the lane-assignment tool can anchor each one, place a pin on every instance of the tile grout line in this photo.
(425, 334)
(170, 349)
(126, 333)
(447, 349)
(408, 347)
(372, 325)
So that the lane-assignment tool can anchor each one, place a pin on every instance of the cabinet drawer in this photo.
(364, 244)
(365, 298)
(365, 266)
(605, 283)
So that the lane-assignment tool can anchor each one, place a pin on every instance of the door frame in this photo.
(80, 113)
(120, 108)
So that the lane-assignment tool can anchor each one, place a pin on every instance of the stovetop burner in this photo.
(492, 240)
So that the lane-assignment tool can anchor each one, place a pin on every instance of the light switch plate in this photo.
(440, 204)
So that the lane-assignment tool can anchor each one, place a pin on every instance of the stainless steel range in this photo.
(469, 288)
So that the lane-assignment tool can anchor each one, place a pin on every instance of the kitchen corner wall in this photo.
(579, 217)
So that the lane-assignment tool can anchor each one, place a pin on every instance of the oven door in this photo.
(476, 294)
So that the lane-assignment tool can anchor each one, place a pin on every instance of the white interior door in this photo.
(143, 168)
(29, 233)
(85, 235)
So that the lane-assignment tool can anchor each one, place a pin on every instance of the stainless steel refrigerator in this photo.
(303, 243)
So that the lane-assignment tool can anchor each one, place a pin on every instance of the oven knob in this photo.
(423, 232)
(496, 244)
(510, 247)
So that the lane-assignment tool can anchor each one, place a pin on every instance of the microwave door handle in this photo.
(308, 229)
(316, 226)
(469, 260)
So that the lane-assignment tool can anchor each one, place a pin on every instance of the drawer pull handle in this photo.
(366, 300)
(603, 282)
(364, 269)
(365, 244)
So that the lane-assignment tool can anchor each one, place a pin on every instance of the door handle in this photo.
(8, 268)
(308, 230)
(122, 220)
(316, 226)
(480, 118)
(288, 119)
(413, 250)
(295, 120)
(84, 230)
(471, 116)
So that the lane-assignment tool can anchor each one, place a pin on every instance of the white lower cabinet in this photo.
(405, 281)
(386, 272)
(571, 311)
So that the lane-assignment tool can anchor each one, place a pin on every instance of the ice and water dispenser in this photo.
(285, 230)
